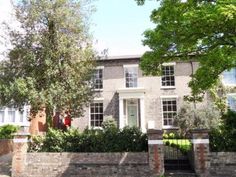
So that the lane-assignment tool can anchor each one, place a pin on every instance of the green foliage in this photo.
(51, 60)
(7, 131)
(224, 138)
(110, 139)
(205, 117)
(176, 140)
(109, 122)
(199, 30)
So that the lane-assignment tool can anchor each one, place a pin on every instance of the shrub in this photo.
(110, 139)
(224, 138)
(205, 118)
(7, 131)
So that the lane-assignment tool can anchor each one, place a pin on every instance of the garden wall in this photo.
(86, 164)
(223, 164)
(6, 146)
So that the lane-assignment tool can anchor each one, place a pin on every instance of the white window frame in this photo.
(222, 78)
(99, 68)
(162, 111)
(168, 87)
(230, 94)
(94, 102)
(136, 66)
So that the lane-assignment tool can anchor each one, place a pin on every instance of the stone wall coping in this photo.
(21, 134)
(223, 153)
(199, 131)
(154, 131)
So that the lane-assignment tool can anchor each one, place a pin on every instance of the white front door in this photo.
(132, 112)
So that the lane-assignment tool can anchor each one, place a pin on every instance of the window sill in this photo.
(167, 87)
(98, 90)
(169, 127)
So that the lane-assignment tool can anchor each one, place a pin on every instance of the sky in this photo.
(116, 25)
(119, 25)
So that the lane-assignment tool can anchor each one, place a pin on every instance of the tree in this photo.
(51, 60)
(187, 30)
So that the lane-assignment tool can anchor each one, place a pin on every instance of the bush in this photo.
(224, 138)
(110, 139)
(7, 131)
(205, 118)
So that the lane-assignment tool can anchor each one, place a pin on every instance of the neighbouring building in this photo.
(124, 93)
(15, 116)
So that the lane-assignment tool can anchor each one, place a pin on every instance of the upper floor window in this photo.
(131, 76)
(98, 78)
(168, 76)
(169, 111)
(96, 114)
(229, 77)
(231, 100)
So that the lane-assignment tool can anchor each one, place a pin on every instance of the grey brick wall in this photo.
(87, 165)
(222, 164)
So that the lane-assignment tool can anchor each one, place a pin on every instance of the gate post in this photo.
(20, 146)
(156, 151)
(200, 151)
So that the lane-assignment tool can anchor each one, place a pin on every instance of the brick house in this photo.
(132, 99)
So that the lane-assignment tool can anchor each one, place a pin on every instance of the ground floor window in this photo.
(96, 114)
(169, 111)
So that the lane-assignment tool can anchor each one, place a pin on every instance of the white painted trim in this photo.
(131, 90)
(200, 141)
(169, 64)
(121, 113)
(100, 99)
(155, 141)
(169, 96)
(130, 66)
(168, 87)
(100, 67)
(19, 140)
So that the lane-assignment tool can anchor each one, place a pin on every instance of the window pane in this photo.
(96, 114)
(229, 77)
(169, 109)
(168, 78)
(98, 79)
(131, 77)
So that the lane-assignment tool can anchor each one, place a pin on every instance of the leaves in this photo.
(52, 58)
(200, 30)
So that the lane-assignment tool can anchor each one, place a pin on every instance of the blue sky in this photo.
(119, 24)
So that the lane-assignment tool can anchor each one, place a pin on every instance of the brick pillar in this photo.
(200, 140)
(156, 151)
(20, 146)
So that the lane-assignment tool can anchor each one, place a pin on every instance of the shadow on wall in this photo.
(6, 149)
(112, 108)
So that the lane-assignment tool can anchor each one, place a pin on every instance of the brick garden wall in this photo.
(6, 146)
(222, 164)
(86, 164)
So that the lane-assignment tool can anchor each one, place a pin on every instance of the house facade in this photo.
(15, 116)
(124, 93)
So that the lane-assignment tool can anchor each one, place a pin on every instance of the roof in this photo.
(121, 57)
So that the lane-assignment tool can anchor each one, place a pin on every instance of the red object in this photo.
(67, 121)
